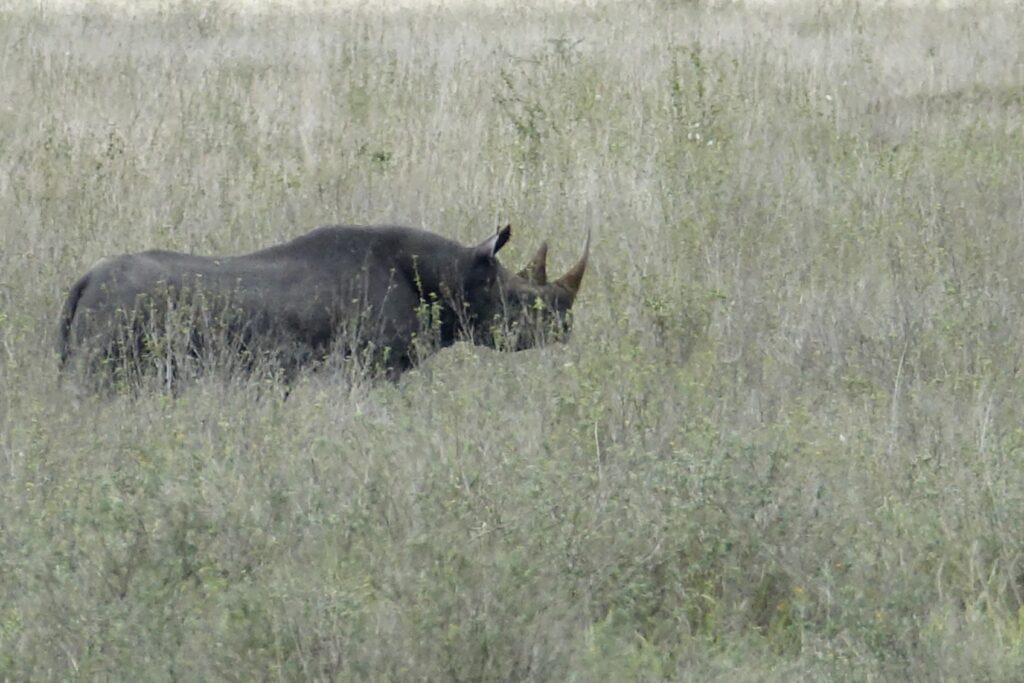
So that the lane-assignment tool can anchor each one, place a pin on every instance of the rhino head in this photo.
(519, 310)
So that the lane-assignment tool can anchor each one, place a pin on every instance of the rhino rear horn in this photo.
(571, 280)
(536, 271)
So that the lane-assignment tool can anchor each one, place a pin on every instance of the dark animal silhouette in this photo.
(385, 295)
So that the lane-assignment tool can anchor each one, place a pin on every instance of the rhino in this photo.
(386, 295)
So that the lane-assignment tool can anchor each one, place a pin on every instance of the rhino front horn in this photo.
(571, 280)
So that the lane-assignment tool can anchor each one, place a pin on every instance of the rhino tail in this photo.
(67, 317)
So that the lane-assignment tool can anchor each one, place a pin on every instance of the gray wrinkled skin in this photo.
(388, 294)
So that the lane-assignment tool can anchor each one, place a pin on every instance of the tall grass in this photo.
(785, 442)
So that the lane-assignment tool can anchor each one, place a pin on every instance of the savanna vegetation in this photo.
(785, 442)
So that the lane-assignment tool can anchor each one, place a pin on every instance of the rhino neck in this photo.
(435, 269)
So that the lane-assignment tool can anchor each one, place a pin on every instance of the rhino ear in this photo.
(536, 271)
(490, 246)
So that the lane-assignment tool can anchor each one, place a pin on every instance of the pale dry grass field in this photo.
(784, 443)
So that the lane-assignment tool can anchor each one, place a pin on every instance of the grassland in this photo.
(784, 444)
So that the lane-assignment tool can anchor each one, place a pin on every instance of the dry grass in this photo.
(784, 444)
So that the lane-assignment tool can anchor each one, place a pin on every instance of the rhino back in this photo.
(305, 290)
